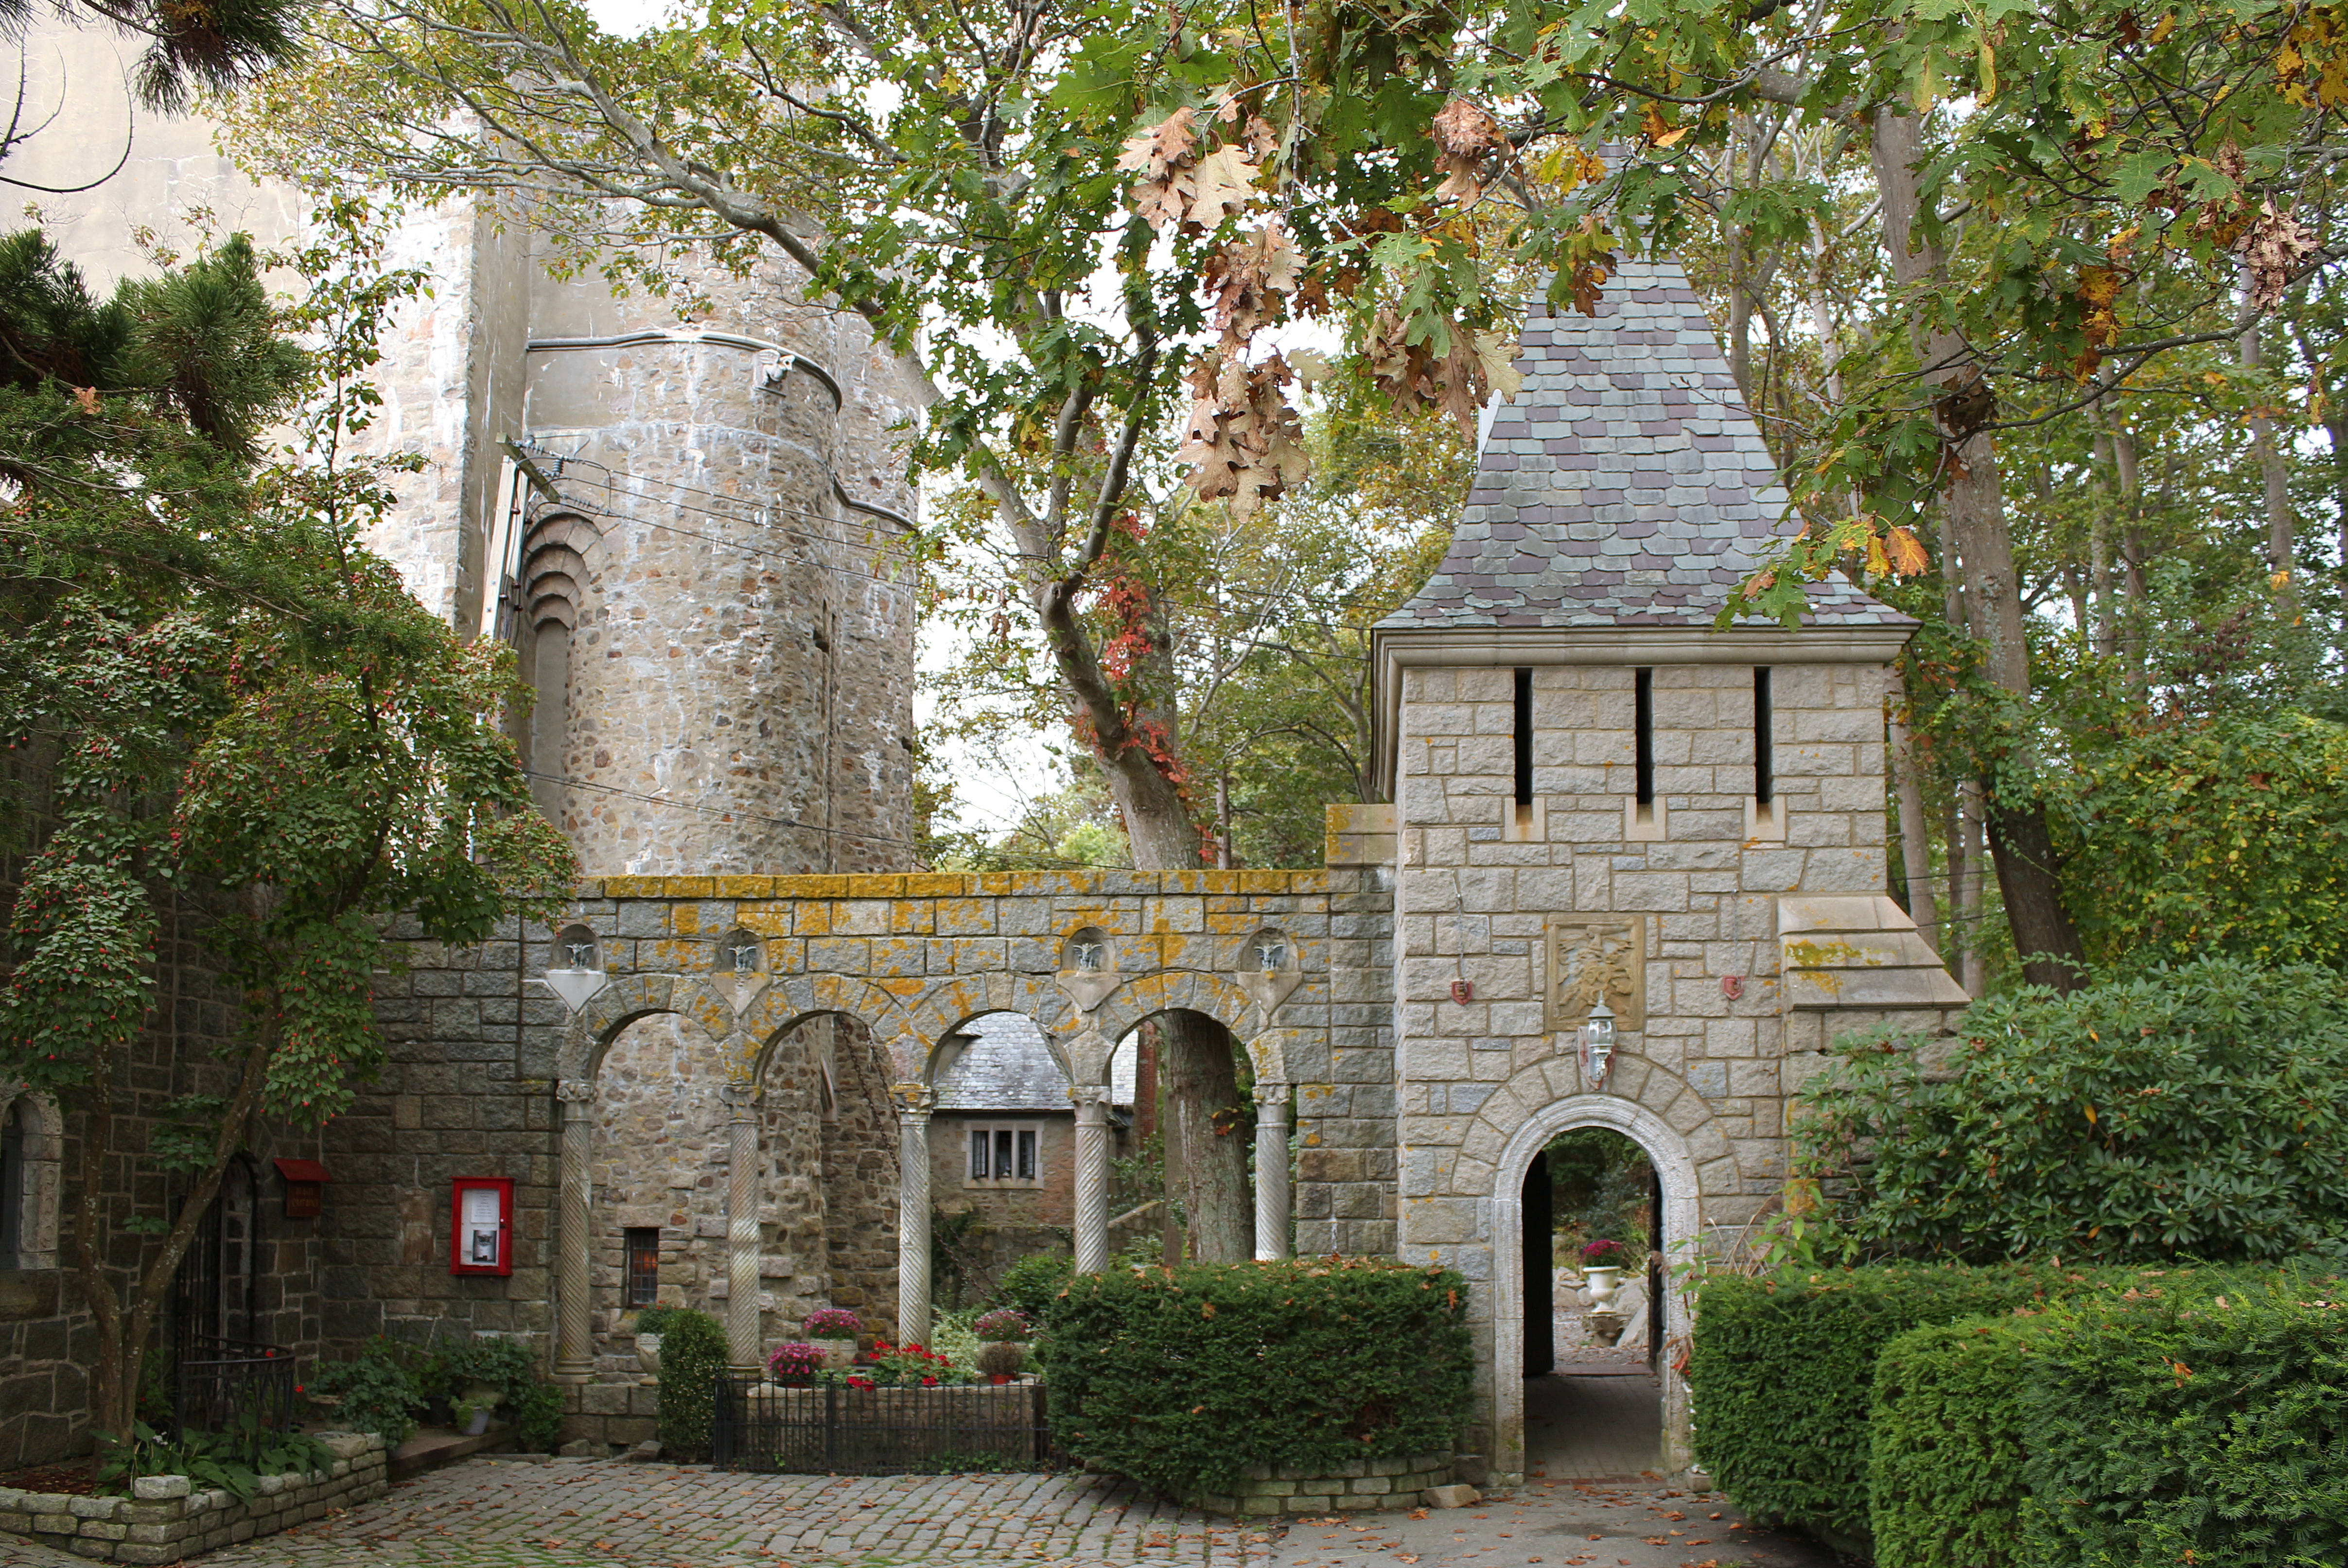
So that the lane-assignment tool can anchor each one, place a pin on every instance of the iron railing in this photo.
(835, 1430)
(237, 1386)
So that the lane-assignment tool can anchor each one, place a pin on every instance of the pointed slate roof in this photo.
(1625, 487)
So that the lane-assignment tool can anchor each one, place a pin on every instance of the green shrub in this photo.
(1782, 1369)
(1031, 1283)
(1946, 1443)
(2201, 1425)
(1181, 1379)
(510, 1366)
(389, 1383)
(2189, 1113)
(693, 1353)
(379, 1389)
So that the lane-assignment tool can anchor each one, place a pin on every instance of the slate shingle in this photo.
(1625, 485)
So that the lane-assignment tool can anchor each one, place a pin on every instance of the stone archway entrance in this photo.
(1675, 1176)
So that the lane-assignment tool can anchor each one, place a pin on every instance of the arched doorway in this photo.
(1593, 1283)
(1649, 1377)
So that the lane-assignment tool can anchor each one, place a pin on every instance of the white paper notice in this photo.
(481, 1225)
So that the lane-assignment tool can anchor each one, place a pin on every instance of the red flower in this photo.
(929, 1382)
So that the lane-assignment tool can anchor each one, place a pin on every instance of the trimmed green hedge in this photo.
(693, 1352)
(1946, 1441)
(1181, 1379)
(2197, 1418)
(1783, 1371)
(2204, 1426)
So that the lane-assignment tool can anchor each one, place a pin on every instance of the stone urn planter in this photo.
(648, 1353)
(1603, 1285)
(838, 1355)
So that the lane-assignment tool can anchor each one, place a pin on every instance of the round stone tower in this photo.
(707, 591)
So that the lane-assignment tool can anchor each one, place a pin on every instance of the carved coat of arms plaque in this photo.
(1593, 956)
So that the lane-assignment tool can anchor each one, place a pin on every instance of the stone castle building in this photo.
(713, 1082)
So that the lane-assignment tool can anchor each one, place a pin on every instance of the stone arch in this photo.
(1668, 1150)
(789, 999)
(947, 1006)
(1167, 990)
(41, 1149)
(594, 1027)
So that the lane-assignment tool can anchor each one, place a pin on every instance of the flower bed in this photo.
(166, 1519)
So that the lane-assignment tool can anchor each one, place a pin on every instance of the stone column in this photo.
(575, 1348)
(1271, 1203)
(914, 1103)
(742, 1226)
(1092, 1178)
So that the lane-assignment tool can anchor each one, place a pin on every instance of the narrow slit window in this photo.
(1002, 1155)
(642, 1246)
(980, 1163)
(1524, 737)
(1765, 784)
(1642, 720)
(1027, 1156)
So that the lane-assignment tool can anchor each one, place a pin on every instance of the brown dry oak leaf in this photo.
(2274, 248)
(1463, 134)
(1248, 276)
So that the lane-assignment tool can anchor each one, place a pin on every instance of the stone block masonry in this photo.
(1359, 1486)
(168, 1518)
(826, 1037)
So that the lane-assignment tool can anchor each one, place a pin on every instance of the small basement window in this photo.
(640, 1245)
(1004, 1155)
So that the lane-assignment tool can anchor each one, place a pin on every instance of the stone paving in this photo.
(487, 1514)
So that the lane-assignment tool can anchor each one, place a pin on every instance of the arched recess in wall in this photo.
(827, 1185)
(656, 1166)
(32, 1152)
(553, 587)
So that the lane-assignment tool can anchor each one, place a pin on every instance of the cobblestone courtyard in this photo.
(605, 1514)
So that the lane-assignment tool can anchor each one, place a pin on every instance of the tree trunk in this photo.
(1973, 504)
(1973, 970)
(1915, 842)
(1206, 1135)
(2275, 469)
(124, 1331)
(1136, 753)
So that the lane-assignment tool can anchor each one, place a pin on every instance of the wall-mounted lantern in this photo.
(1598, 1043)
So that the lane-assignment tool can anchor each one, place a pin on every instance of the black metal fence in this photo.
(235, 1386)
(836, 1430)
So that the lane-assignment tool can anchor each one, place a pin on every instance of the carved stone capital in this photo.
(739, 1094)
(1269, 1094)
(914, 1100)
(575, 1090)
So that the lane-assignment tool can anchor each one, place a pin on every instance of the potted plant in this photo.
(1002, 1336)
(795, 1365)
(833, 1330)
(472, 1419)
